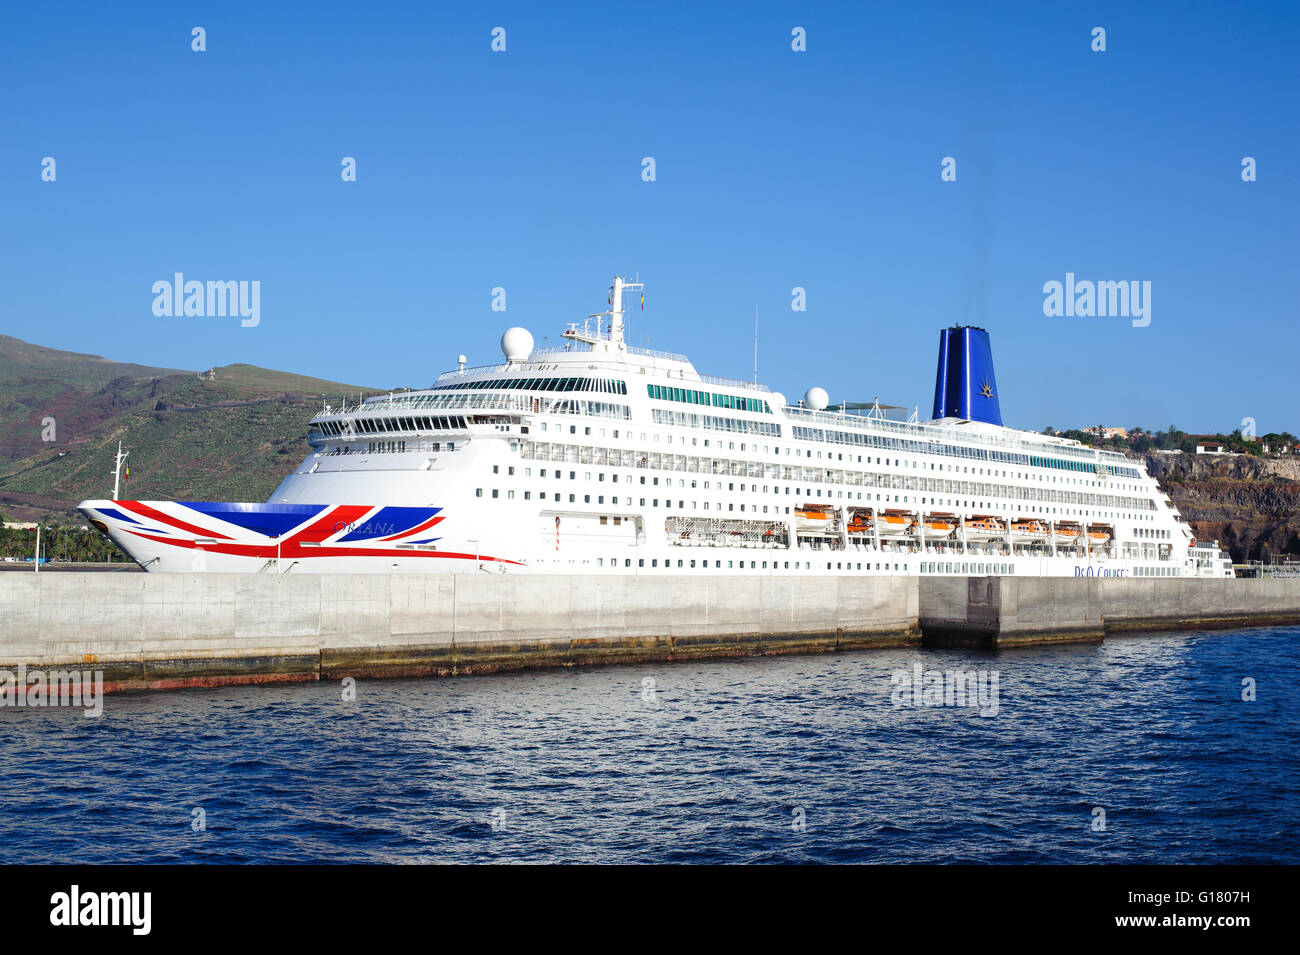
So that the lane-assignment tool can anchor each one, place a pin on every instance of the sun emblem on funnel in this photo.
(986, 388)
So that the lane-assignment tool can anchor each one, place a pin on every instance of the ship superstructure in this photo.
(597, 457)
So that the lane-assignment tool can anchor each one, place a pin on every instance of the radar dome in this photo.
(517, 344)
(776, 399)
(816, 399)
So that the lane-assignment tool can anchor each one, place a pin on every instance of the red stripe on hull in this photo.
(291, 548)
(144, 510)
(332, 523)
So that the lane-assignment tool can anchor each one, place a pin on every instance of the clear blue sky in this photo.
(775, 169)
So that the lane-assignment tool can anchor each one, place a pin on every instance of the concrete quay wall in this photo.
(157, 631)
(171, 630)
(1001, 612)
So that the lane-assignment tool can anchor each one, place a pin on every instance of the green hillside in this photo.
(23, 364)
(232, 435)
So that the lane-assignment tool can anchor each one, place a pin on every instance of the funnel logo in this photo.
(986, 388)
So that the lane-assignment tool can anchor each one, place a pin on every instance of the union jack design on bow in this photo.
(281, 532)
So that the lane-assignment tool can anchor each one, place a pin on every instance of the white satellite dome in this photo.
(817, 399)
(517, 344)
(776, 399)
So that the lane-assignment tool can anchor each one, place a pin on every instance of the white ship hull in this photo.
(152, 532)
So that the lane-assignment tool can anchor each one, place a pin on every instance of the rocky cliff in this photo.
(1250, 505)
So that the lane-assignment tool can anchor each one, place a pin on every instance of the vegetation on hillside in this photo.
(1141, 441)
(233, 434)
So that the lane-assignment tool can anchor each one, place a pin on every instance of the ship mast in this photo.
(615, 341)
(616, 309)
(117, 468)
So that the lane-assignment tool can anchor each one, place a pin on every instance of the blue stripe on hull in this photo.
(272, 520)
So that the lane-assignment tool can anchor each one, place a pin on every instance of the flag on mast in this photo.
(127, 476)
(643, 301)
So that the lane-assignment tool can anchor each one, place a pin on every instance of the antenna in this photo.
(755, 344)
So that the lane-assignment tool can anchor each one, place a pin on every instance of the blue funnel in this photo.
(964, 386)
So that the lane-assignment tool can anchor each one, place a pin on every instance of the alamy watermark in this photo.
(208, 300)
(128, 909)
(921, 687)
(33, 688)
(1085, 299)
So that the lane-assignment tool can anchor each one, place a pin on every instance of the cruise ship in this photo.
(596, 457)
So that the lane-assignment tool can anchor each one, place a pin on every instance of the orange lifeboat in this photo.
(1068, 536)
(811, 518)
(935, 528)
(981, 529)
(859, 524)
(1028, 532)
(894, 525)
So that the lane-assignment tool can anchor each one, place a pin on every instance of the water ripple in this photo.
(771, 760)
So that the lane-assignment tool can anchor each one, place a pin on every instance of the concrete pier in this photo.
(158, 631)
(1003, 612)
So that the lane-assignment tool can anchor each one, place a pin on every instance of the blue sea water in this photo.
(780, 759)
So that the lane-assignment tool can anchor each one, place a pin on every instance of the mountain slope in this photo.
(232, 435)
